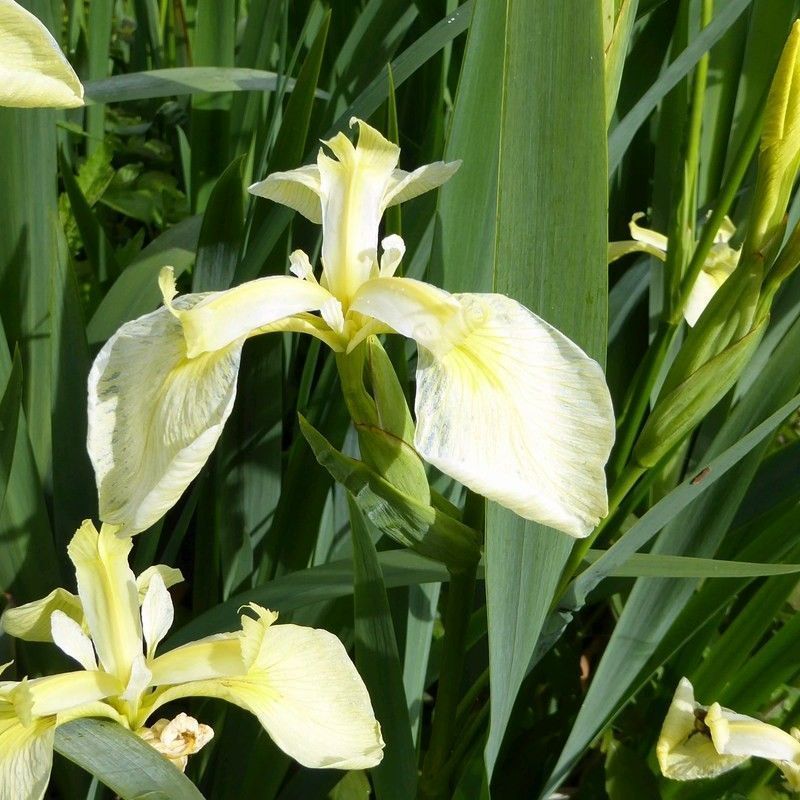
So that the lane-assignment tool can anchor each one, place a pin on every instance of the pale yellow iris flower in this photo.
(33, 70)
(505, 403)
(298, 681)
(717, 268)
(704, 741)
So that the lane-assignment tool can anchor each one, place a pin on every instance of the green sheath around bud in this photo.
(382, 418)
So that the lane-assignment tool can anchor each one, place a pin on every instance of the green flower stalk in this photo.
(34, 72)
(298, 681)
(505, 403)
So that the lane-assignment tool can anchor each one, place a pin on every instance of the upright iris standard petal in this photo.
(33, 70)
(352, 187)
(505, 403)
(154, 416)
(26, 755)
(107, 588)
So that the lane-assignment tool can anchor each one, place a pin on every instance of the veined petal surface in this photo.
(298, 189)
(506, 404)
(107, 588)
(33, 71)
(154, 415)
(26, 756)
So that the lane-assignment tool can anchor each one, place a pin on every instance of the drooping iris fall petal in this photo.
(506, 404)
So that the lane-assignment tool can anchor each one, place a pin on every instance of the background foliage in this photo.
(154, 172)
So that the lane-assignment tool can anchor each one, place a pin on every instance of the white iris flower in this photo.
(720, 262)
(505, 403)
(298, 681)
(704, 741)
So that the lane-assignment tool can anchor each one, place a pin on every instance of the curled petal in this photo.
(33, 70)
(407, 185)
(505, 403)
(739, 735)
(220, 319)
(31, 621)
(107, 588)
(26, 756)
(154, 416)
(169, 575)
(297, 188)
(685, 749)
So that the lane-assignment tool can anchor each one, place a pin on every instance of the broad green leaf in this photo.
(378, 663)
(268, 220)
(221, 232)
(122, 761)
(659, 565)
(9, 424)
(406, 64)
(214, 45)
(655, 604)
(422, 601)
(527, 213)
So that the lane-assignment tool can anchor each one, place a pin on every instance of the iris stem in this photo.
(434, 782)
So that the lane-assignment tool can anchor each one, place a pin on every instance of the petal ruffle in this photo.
(506, 404)
(33, 71)
(154, 416)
